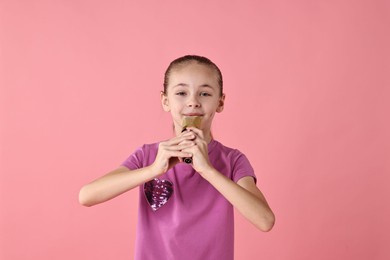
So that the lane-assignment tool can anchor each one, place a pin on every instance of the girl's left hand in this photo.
(199, 151)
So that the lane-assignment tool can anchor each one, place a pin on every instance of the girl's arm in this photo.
(122, 179)
(113, 184)
(245, 197)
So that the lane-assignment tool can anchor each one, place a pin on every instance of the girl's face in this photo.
(193, 90)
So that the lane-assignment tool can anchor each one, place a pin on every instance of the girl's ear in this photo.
(221, 103)
(165, 102)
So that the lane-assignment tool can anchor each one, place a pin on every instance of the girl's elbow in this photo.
(84, 199)
(266, 224)
(85, 203)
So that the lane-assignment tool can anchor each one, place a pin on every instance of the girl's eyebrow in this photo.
(181, 85)
(186, 85)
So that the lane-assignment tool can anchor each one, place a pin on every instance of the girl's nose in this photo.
(193, 102)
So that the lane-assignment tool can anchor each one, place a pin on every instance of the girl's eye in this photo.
(180, 93)
(205, 94)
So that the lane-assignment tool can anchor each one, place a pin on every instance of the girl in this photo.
(186, 210)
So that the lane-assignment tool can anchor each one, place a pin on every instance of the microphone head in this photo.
(192, 121)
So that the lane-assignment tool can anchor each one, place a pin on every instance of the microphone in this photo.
(191, 121)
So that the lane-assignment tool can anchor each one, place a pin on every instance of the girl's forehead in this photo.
(195, 73)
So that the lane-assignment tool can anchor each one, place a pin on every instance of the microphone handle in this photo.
(187, 160)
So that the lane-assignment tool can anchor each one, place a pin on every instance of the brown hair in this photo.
(188, 58)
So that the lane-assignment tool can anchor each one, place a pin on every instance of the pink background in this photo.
(307, 85)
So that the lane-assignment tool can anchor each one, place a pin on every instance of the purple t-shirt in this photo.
(196, 222)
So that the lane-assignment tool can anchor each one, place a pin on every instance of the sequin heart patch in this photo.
(158, 192)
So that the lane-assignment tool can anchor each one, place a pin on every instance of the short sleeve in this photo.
(242, 167)
(135, 160)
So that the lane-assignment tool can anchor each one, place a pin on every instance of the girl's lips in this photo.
(193, 114)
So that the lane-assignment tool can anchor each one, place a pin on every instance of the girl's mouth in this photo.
(193, 114)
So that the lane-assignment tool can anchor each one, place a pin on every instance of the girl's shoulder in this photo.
(224, 148)
(150, 146)
(142, 155)
(221, 151)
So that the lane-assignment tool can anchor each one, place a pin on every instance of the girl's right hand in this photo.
(170, 152)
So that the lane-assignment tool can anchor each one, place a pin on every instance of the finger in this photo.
(178, 146)
(185, 144)
(180, 154)
(179, 139)
(190, 150)
(167, 154)
(187, 135)
(197, 131)
(181, 146)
